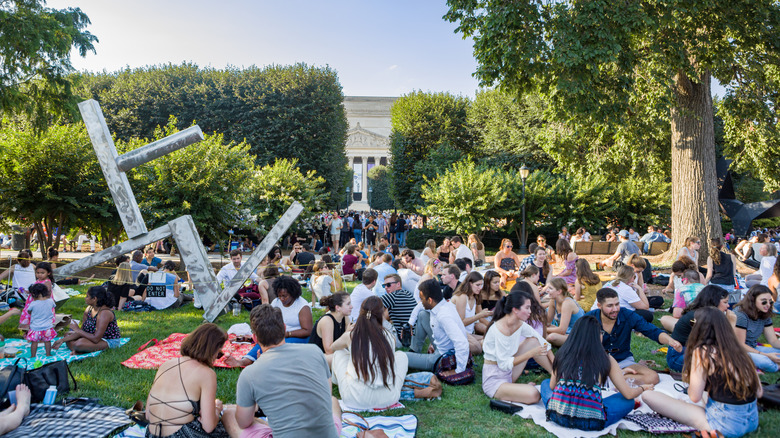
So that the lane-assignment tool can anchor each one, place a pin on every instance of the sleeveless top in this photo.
(195, 404)
(576, 406)
(719, 391)
(508, 264)
(90, 326)
(338, 330)
(571, 264)
(588, 294)
(574, 317)
(444, 257)
(468, 314)
(290, 314)
(723, 273)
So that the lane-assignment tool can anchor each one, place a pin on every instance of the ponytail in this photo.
(331, 301)
(716, 245)
(499, 311)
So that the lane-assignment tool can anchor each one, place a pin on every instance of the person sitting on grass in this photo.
(99, 329)
(587, 284)
(321, 282)
(333, 324)
(632, 297)
(754, 317)
(572, 394)
(617, 324)
(183, 399)
(13, 415)
(507, 262)
(624, 250)
(289, 383)
(768, 252)
(295, 310)
(643, 271)
(714, 363)
(721, 266)
(710, 296)
(121, 284)
(398, 301)
(683, 297)
(569, 259)
(470, 310)
(447, 330)
(366, 367)
(362, 291)
(562, 312)
(491, 292)
(532, 276)
(508, 346)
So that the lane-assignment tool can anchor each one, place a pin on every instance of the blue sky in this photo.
(378, 48)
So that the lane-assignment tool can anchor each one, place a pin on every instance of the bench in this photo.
(658, 248)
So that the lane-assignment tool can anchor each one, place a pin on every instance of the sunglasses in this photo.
(765, 302)
(507, 246)
(386, 285)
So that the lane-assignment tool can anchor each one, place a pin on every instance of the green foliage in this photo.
(380, 181)
(276, 186)
(52, 179)
(208, 180)
(422, 123)
(417, 237)
(465, 198)
(279, 111)
(35, 47)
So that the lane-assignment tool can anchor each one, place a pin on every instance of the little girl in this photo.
(44, 276)
(41, 311)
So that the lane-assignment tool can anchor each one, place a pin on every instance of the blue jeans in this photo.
(674, 359)
(358, 235)
(401, 238)
(424, 362)
(732, 420)
(297, 340)
(615, 406)
(762, 362)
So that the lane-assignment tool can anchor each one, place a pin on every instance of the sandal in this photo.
(138, 414)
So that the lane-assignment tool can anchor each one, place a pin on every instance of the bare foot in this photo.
(23, 397)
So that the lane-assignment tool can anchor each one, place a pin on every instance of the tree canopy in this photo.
(35, 48)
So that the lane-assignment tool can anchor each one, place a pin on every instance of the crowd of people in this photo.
(433, 313)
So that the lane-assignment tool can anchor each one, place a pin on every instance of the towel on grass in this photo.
(404, 426)
(169, 348)
(60, 354)
(538, 413)
(84, 421)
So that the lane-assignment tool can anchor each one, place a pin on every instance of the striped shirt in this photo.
(400, 305)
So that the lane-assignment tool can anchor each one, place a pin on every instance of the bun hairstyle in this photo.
(102, 296)
(333, 300)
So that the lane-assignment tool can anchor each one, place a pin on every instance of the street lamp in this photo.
(524, 171)
(347, 206)
(370, 191)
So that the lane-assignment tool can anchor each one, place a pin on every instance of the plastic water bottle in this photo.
(51, 395)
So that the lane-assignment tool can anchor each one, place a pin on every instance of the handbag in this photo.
(447, 362)
(771, 396)
(365, 431)
(52, 374)
(406, 335)
(11, 376)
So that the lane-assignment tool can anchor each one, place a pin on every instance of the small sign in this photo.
(155, 291)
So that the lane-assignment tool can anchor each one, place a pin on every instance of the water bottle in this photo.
(236, 309)
(51, 395)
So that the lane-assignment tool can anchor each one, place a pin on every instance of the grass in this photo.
(463, 411)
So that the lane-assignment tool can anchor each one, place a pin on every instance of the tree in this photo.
(280, 111)
(35, 46)
(465, 198)
(380, 188)
(608, 64)
(276, 186)
(208, 180)
(51, 180)
(421, 123)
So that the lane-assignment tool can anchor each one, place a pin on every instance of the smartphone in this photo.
(503, 406)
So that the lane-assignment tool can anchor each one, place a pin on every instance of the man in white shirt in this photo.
(461, 250)
(633, 235)
(22, 273)
(363, 291)
(449, 334)
(383, 270)
(335, 226)
(227, 272)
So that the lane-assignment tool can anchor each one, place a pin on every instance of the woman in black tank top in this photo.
(721, 266)
(444, 251)
(333, 324)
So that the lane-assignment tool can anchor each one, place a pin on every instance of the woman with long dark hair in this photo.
(714, 362)
(366, 367)
(508, 345)
(99, 330)
(572, 395)
(710, 296)
(754, 317)
(538, 317)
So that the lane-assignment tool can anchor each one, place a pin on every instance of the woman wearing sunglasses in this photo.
(507, 262)
(754, 317)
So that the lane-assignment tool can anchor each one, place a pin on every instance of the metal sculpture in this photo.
(742, 215)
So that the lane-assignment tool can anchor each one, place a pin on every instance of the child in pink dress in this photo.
(41, 311)
(43, 275)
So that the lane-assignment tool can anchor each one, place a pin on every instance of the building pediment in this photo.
(359, 137)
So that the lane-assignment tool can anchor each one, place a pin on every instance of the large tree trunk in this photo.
(694, 181)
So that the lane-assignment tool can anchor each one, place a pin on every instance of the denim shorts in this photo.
(113, 343)
(732, 420)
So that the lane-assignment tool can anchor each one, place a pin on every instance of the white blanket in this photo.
(538, 413)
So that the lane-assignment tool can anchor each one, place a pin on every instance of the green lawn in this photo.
(463, 411)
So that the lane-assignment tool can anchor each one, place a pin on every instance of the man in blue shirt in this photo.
(616, 327)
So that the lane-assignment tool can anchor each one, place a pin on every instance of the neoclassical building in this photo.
(367, 141)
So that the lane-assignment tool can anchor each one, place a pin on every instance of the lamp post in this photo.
(346, 207)
(370, 191)
(524, 171)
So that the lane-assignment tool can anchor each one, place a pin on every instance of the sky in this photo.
(378, 48)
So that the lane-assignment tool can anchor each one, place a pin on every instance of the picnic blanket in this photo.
(404, 426)
(538, 413)
(61, 353)
(169, 348)
(87, 421)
